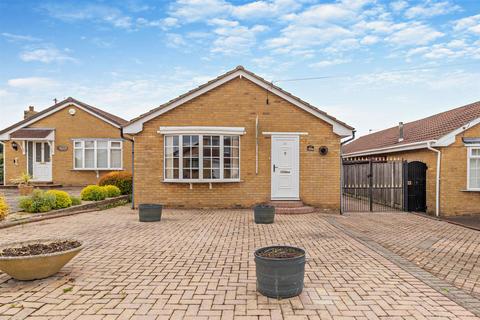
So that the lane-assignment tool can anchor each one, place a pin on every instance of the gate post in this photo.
(405, 184)
(370, 184)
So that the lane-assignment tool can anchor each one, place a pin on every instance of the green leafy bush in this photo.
(62, 199)
(3, 208)
(122, 180)
(39, 201)
(76, 201)
(93, 193)
(112, 191)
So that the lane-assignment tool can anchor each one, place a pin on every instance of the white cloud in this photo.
(414, 34)
(399, 5)
(468, 24)
(96, 12)
(31, 83)
(265, 9)
(175, 40)
(46, 54)
(236, 39)
(368, 40)
(196, 10)
(328, 63)
(19, 38)
(431, 8)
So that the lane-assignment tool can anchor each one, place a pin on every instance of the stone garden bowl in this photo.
(34, 267)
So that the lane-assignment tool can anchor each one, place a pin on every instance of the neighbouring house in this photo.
(448, 144)
(69, 143)
(237, 141)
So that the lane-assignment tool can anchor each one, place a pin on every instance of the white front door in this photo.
(41, 158)
(285, 167)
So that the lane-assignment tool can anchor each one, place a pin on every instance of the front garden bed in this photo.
(17, 218)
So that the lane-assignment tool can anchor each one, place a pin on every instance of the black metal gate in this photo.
(375, 184)
(417, 186)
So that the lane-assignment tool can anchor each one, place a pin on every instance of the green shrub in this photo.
(93, 193)
(112, 191)
(3, 208)
(122, 180)
(62, 199)
(76, 201)
(39, 201)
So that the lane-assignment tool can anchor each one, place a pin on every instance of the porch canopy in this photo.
(33, 134)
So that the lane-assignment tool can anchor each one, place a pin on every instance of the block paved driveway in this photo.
(199, 265)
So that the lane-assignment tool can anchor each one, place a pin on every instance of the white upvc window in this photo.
(201, 158)
(473, 168)
(97, 154)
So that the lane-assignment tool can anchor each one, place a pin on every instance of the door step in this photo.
(291, 207)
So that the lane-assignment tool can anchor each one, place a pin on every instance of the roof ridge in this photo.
(226, 74)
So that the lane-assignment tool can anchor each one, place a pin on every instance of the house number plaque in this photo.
(62, 148)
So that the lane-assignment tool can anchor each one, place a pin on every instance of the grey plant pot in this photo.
(264, 214)
(280, 278)
(150, 212)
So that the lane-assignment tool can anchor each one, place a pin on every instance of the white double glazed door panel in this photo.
(285, 170)
(40, 161)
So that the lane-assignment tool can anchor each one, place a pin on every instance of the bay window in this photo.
(201, 157)
(97, 154)
(473, 167)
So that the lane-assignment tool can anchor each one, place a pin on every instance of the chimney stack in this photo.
(30, 112)
(400, 131)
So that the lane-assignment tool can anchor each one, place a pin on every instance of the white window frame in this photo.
(469, 157)
(180, 178)
(95, 148)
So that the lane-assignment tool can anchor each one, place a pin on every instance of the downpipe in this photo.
(133, 164)
(341, 169)
(437, 179)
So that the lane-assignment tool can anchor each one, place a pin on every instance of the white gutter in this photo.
(437, 180)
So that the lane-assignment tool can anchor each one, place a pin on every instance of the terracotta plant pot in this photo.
(35, 267)
(25, 190)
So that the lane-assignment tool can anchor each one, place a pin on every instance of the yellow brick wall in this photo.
(236, 104)
(67, 127)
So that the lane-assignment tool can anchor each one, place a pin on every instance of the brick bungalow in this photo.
(237, 141)
(69, 143)
(448, 143)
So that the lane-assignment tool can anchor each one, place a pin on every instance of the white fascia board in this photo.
(137, 126)
(6, 135)
(202, 130)
(403, 147)
(449, 138)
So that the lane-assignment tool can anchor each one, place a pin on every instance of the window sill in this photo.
(470, 190)
(201, 181)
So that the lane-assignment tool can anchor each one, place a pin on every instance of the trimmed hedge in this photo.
(39, 201)
(3, 208)
(122, 180)
(93, 193)
(112, 191)
(62, 199)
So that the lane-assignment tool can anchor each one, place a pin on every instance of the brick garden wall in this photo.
(236, 104)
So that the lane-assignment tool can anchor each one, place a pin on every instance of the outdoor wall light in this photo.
(15, 146)
(323, 150)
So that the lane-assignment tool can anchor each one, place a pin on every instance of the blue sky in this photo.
(384, 61)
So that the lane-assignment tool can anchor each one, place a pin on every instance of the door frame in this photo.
(296, 137)
(34, 151)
